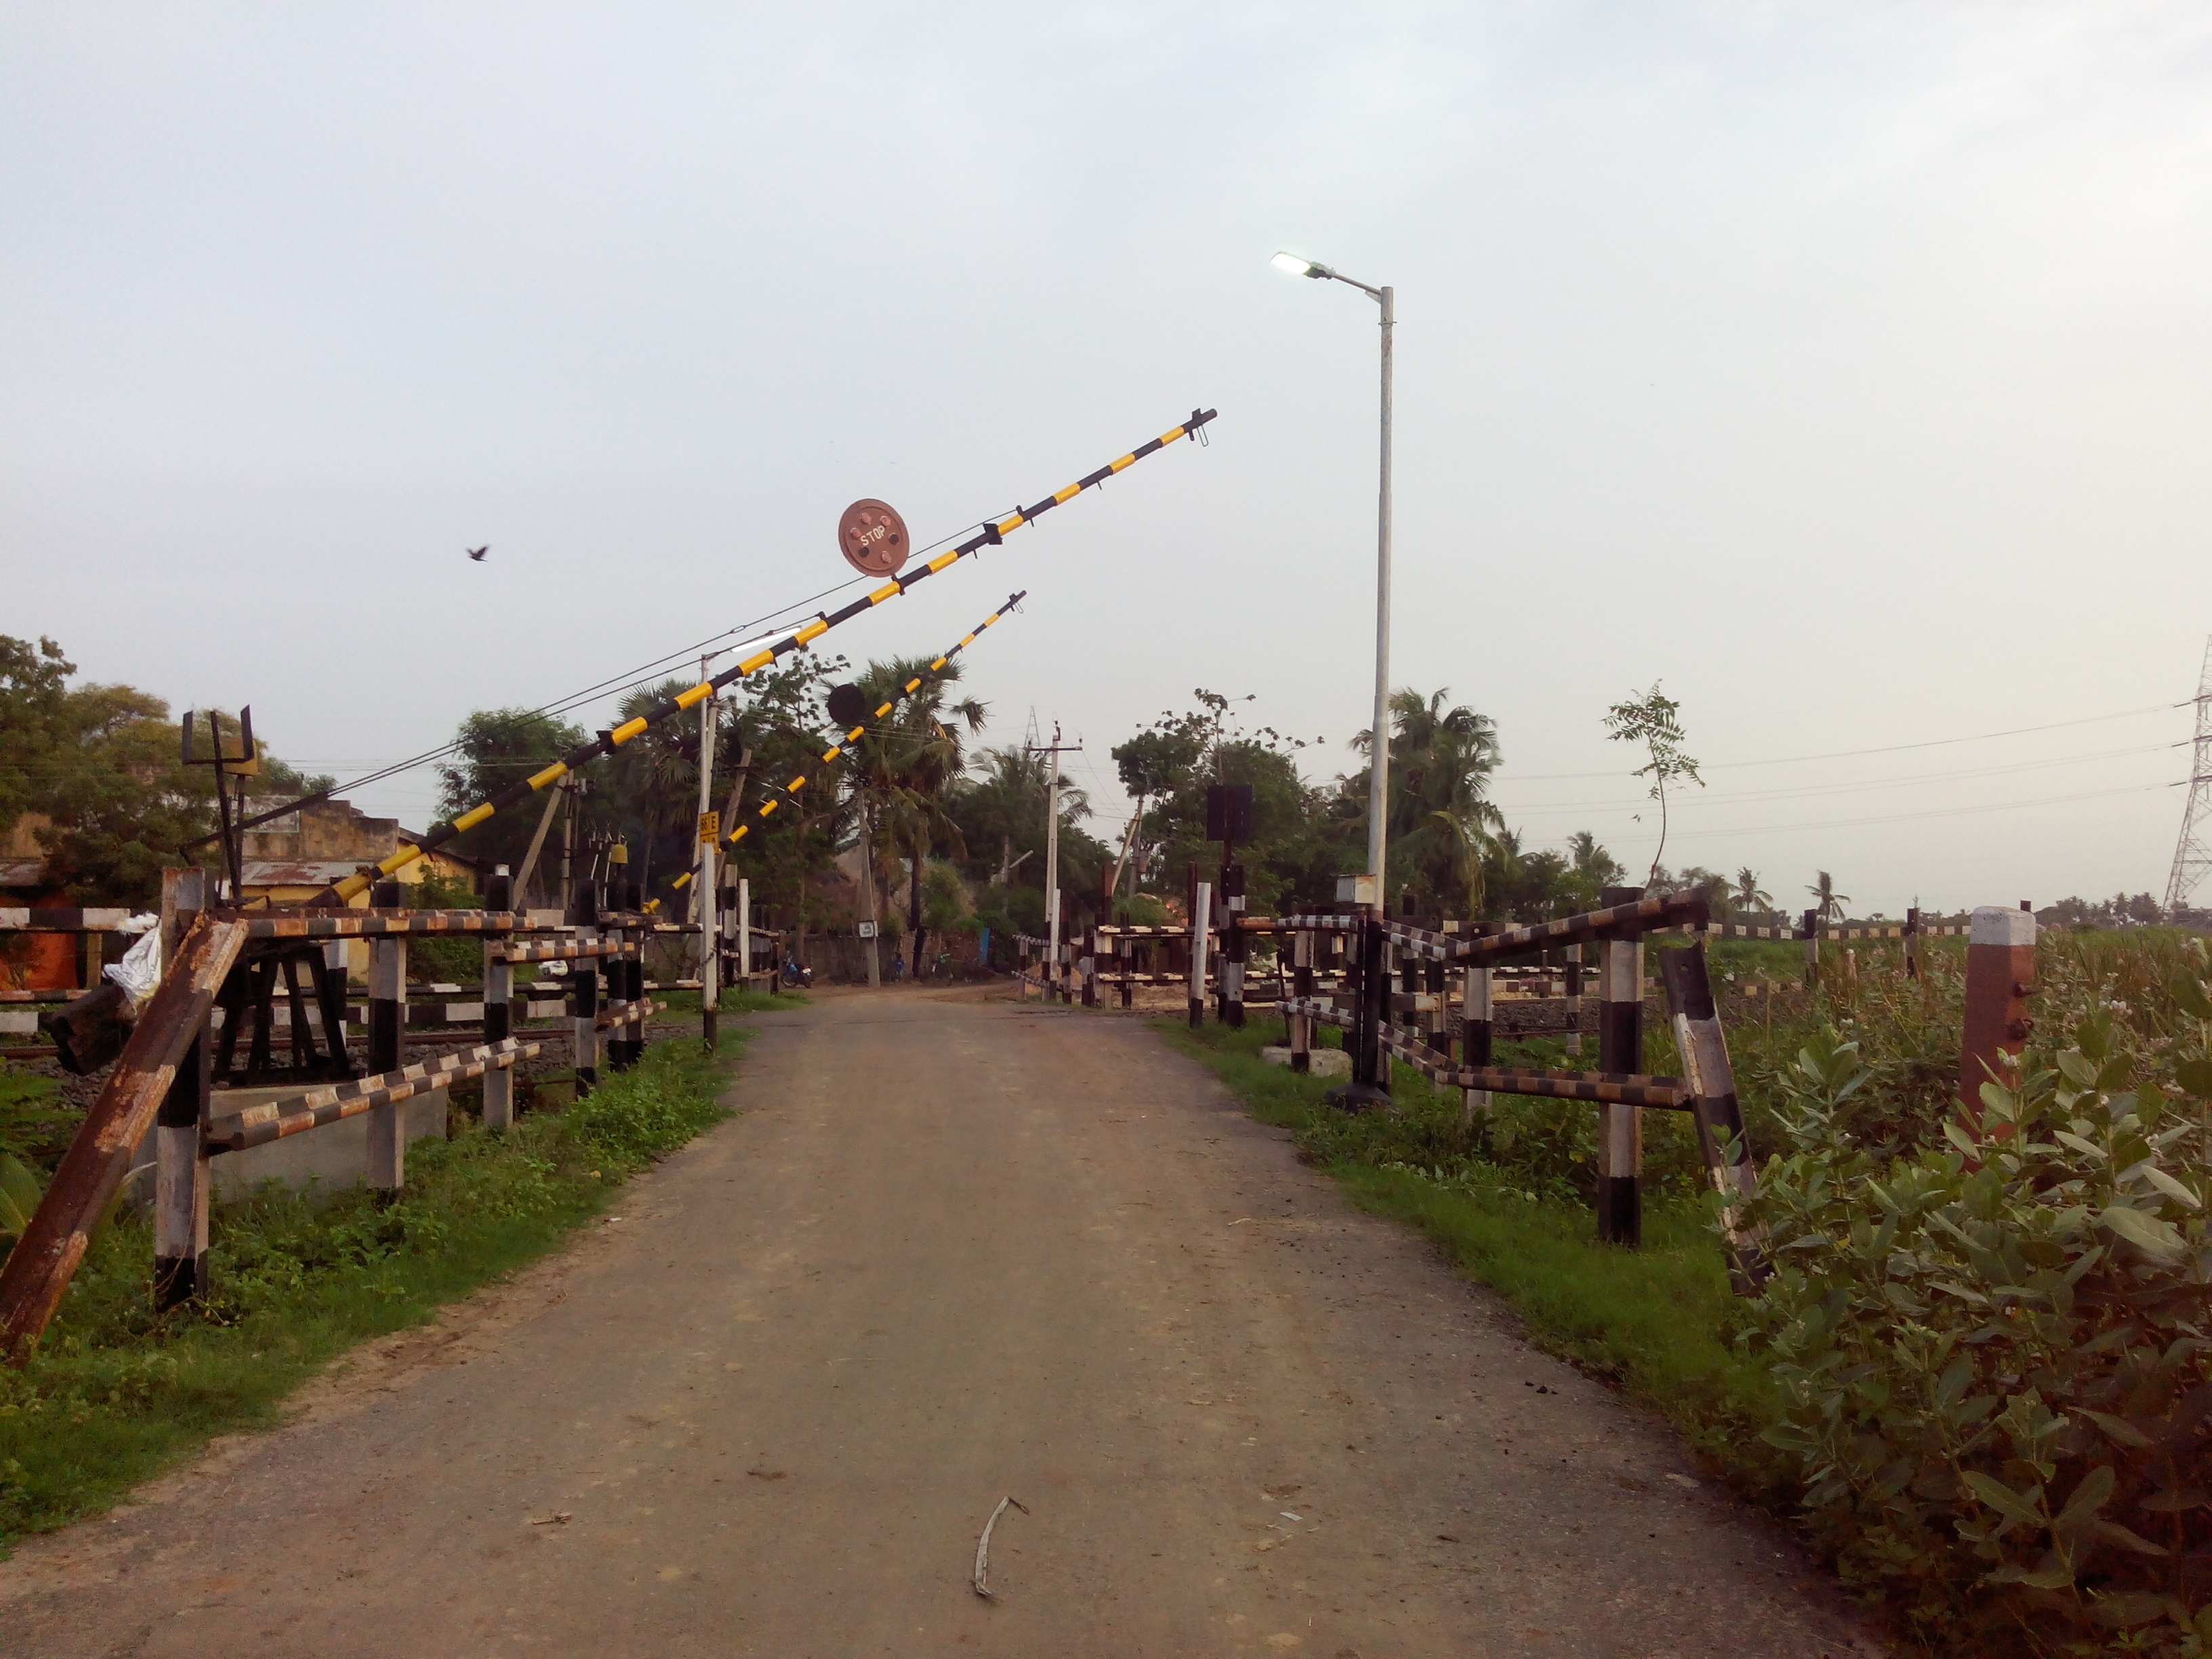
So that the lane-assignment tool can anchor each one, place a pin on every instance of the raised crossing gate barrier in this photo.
(806, 634)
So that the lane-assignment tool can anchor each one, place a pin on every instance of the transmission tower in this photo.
(2192, 854)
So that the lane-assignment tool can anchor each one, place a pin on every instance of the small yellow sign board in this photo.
(710, 828)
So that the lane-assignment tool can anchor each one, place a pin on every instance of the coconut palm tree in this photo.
(1828, 902)
(1594, 868)
(903, 766)
(1749, 895)
(1003, 800)
(1441, 820)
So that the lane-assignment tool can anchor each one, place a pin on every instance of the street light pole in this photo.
(1378, 781)
(1379, 771)
(708, 878)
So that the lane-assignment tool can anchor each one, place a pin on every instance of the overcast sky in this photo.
(1842, 367)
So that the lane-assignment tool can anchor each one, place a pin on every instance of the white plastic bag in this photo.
(140, 971)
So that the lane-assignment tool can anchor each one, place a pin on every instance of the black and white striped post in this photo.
(1476, 987)
(637, 959)
(387, 1026)
(1202, 913)
(1302, 987)
(1620, 1049)
(1711, 1078)
(1810, 932)
(619, 988)
(1235, 947)
(1438, 1023)
(498, 1004)
(1574, 993)
(1912, 943)
(180, 1159)
(584, 996)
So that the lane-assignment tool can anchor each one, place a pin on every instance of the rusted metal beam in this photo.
(1618, 1088)
(44, 1259)
(1618, 921)
(256, 1125)
(368, 924)
(564, 950)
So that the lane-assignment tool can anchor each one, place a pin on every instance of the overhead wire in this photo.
(1887, 749)
(1809, 791)
(1683, 833)
(893, 587)
(628, 680)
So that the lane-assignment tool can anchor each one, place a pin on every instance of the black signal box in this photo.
(1228, 812)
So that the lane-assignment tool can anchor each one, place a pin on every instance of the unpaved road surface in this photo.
(952, 1251)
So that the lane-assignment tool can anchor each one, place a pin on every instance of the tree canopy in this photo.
(103, 765)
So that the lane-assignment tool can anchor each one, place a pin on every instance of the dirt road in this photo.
(952, 1251)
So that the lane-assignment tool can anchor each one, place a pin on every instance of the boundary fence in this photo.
(225, 968)
(1389, 985)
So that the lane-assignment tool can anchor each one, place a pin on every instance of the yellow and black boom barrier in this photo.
(806, 634)
(791, 791)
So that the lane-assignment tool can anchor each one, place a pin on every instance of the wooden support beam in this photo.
(39, 1270)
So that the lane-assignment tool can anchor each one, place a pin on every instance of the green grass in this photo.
(116, 1392)
(1654, 1321)
(35, 1119)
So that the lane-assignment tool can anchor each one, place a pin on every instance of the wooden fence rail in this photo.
(226, 986)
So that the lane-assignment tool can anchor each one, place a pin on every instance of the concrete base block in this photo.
(1325, 1062)
(332, 1157)
(336, 1155)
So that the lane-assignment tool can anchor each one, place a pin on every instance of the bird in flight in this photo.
(477, 553)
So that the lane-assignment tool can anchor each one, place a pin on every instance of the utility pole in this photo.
(1128, 841)
(2192, 854)
(868, 892)
(1054, 750)
(707, 882)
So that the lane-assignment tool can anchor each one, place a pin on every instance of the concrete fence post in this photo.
(2000, 977)
(387, 1028)
(1620, 1049)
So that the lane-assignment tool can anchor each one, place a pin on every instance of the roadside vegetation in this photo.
(1980, 1380)
(116, 1392)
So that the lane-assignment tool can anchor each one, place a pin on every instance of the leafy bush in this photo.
(1994, 1354)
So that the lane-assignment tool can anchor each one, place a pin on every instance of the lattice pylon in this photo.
(2192, 854)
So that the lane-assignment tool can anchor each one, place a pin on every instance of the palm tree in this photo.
(1004, 801)
(1749, 895)
(905, 763)
(1829, 904)
(1441, 820)
(1595, 868)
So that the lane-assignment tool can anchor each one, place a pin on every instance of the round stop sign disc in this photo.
(872, 538)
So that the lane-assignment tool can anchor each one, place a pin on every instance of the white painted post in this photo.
(745, 931)
(1475, 1015)
(1200, 914)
